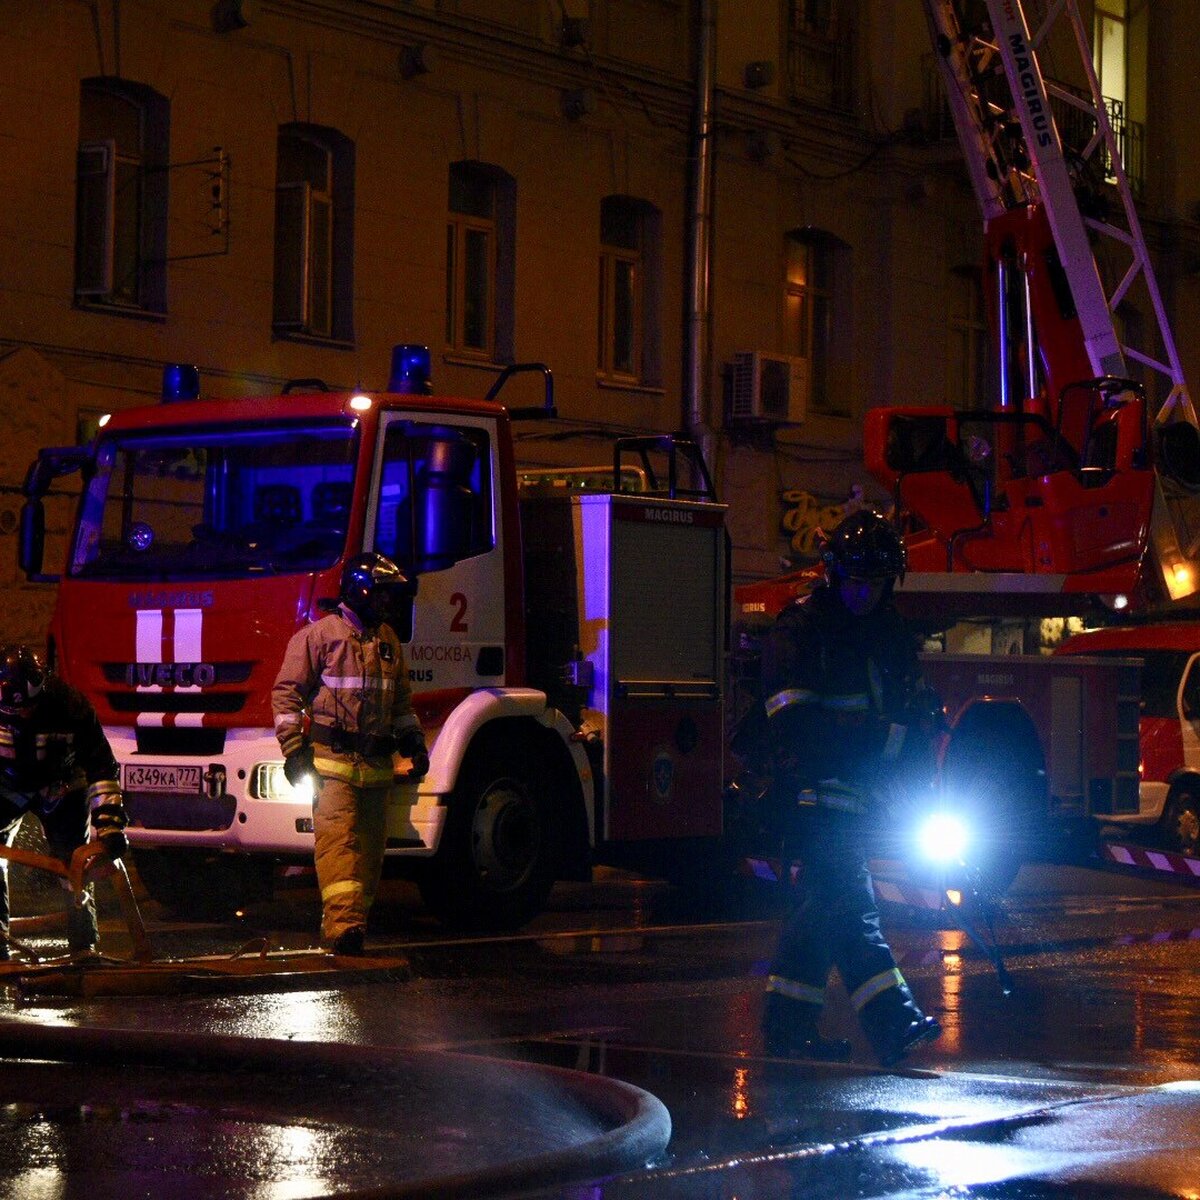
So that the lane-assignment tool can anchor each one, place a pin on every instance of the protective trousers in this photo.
(65, 822)
(834, 921)
(349, 830)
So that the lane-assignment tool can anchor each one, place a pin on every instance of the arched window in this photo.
(481, 261)
(121, 196)
(630, 289)
(314, 233)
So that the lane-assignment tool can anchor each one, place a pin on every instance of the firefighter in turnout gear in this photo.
(347, 674)
(839, 676)
(56, 763)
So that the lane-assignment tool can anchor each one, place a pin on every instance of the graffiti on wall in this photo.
(804, 513)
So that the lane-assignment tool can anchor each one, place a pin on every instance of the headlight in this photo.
(270, 783)
(942, 837)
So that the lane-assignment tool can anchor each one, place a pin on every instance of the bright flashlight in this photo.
(943, 838)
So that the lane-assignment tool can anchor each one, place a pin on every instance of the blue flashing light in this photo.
(410, 370)
(180, 381)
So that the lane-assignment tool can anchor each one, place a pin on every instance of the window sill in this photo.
(456, 358)
(128, 311)
(629, 385)
(310, 339)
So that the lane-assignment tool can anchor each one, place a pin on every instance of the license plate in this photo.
(141, 777)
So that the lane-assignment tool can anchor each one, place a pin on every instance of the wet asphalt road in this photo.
(1084, 1082)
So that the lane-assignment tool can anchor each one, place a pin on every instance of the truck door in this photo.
(433, 509)
(1189, 713)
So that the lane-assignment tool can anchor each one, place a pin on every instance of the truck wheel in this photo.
(1179, 828)
(495, 865)
(198, 885)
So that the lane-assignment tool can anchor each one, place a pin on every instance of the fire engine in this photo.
(571, 711)
(1169, 724)
(1068, 493)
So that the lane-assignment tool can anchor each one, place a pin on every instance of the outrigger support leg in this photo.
(990, 949)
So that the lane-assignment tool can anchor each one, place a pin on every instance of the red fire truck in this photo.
(571, 712)
(1067, 493)
(1169, 717)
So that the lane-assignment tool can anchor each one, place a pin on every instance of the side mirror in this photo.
(31, 548)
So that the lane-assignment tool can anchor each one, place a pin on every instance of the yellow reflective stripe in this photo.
(358, 773)
(342, 886)
(788, 697)
(286, 719)
(794, 990)
(866, 992)
(848, 702)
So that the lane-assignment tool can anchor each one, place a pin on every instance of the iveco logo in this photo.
(170, 674)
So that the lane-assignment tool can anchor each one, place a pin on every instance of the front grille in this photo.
(226, 672)
(176, 702)
(182, 740)
(179, 810)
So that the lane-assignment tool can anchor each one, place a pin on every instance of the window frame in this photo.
(823, 340)
(643, 329)
(313, 299)
(499, 227)
(101, 252)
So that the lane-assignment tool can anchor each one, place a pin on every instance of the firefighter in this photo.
(55, 762)
(839, 675)
(348, 674)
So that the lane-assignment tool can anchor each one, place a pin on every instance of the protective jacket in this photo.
(58, 747)
(354, 684)
(835, 689)
(56, 762)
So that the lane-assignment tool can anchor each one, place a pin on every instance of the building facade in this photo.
(282, 189)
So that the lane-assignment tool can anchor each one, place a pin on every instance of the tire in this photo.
(1179, 828)
(198, 885)
(495, 865)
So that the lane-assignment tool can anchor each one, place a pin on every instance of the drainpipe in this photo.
(701, 163)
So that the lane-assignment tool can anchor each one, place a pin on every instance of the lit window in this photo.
(816, 315)
(121, 196)
(479, 261)
(627, 345)
(1110, 42)
(314, 237)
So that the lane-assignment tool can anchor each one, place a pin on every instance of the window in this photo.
(968, 352)
(314, 233)
(480, 261)
(121, 196)
(233, 502)
(816, 315)
(1109, 43)
(820, 54)
(435, 495)
(627, 344)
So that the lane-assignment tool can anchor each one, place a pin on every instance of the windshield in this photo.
(227, 502)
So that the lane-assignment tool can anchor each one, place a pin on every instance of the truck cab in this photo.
(1169, 725)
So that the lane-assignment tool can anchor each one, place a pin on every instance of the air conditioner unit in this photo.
(768, 388)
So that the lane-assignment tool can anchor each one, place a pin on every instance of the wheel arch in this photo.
(522, 713)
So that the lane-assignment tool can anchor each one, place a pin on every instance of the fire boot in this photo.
(349, 943)
(789, 1030)
(895, 1024)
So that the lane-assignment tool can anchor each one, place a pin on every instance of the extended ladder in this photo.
(1001, 104)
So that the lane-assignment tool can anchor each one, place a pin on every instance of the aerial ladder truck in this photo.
(1072, 490)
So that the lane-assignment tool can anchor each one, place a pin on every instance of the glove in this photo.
(412, 745)
(299, 765)
(109, 821)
